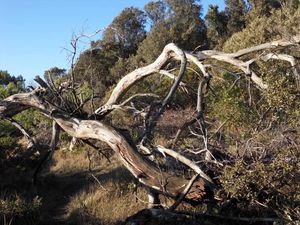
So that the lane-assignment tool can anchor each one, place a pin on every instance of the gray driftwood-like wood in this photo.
(145, 171)
(49, 102)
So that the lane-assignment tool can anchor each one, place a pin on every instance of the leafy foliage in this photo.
(257, 139)
(236, 11)
(10, 85)
(216, 26)
(273, 185)
(126, 30)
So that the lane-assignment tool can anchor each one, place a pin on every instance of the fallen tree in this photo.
(69, 116)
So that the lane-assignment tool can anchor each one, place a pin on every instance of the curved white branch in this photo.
(127, 81)
(171, 51)
(270, 45)
(147, 173)
(283, 57)
(185, 161)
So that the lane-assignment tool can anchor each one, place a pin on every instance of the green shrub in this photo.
(30, 118)
(20, 211)
(274, 185)
(8, 142)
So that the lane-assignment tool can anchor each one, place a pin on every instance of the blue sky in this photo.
(33, 33)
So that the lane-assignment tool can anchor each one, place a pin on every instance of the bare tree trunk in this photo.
(144, 170)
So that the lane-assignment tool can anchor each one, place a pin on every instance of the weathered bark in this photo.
(185, 161)
(130, 79)
(184, 193)
(172, 52)
(145, 171)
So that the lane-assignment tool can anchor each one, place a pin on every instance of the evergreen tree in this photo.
(187, 28)
(55, 73)
(216, 26)
(10, 84)
(156, 12)
(172, 21)
(127, 30)
(119, 41)
(260, 8)
(236, 11)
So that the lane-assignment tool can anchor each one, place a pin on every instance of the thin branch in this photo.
(92, 174)
(218, 129)
(199, 110)
(284, 57)
(270, 45)
(185, 161)
(138, 95)
(53, 144)
(234, 83)
(96, 148)
(23, 131)
(171, 76)
(184, 193)
(153, 121)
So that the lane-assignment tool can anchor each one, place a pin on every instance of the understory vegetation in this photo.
(245, 136)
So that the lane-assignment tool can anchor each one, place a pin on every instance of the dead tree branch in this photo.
(49, 103)
(184, 193)
(185, 161)
(147, 173)
(52, 146)
(31, 140)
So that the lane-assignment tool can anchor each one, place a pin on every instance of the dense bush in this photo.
(267, 181)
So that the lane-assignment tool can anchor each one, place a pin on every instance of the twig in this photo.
(92, 174)
(199, 110)
(23, 131)
(184, 193)
(218, 129)
(96, 148)
(53, 144)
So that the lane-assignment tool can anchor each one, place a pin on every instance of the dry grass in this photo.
(108, 202)
(95, 205)
(173, 119)
(65, 161)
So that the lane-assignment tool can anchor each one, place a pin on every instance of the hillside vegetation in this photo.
(208, 127)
